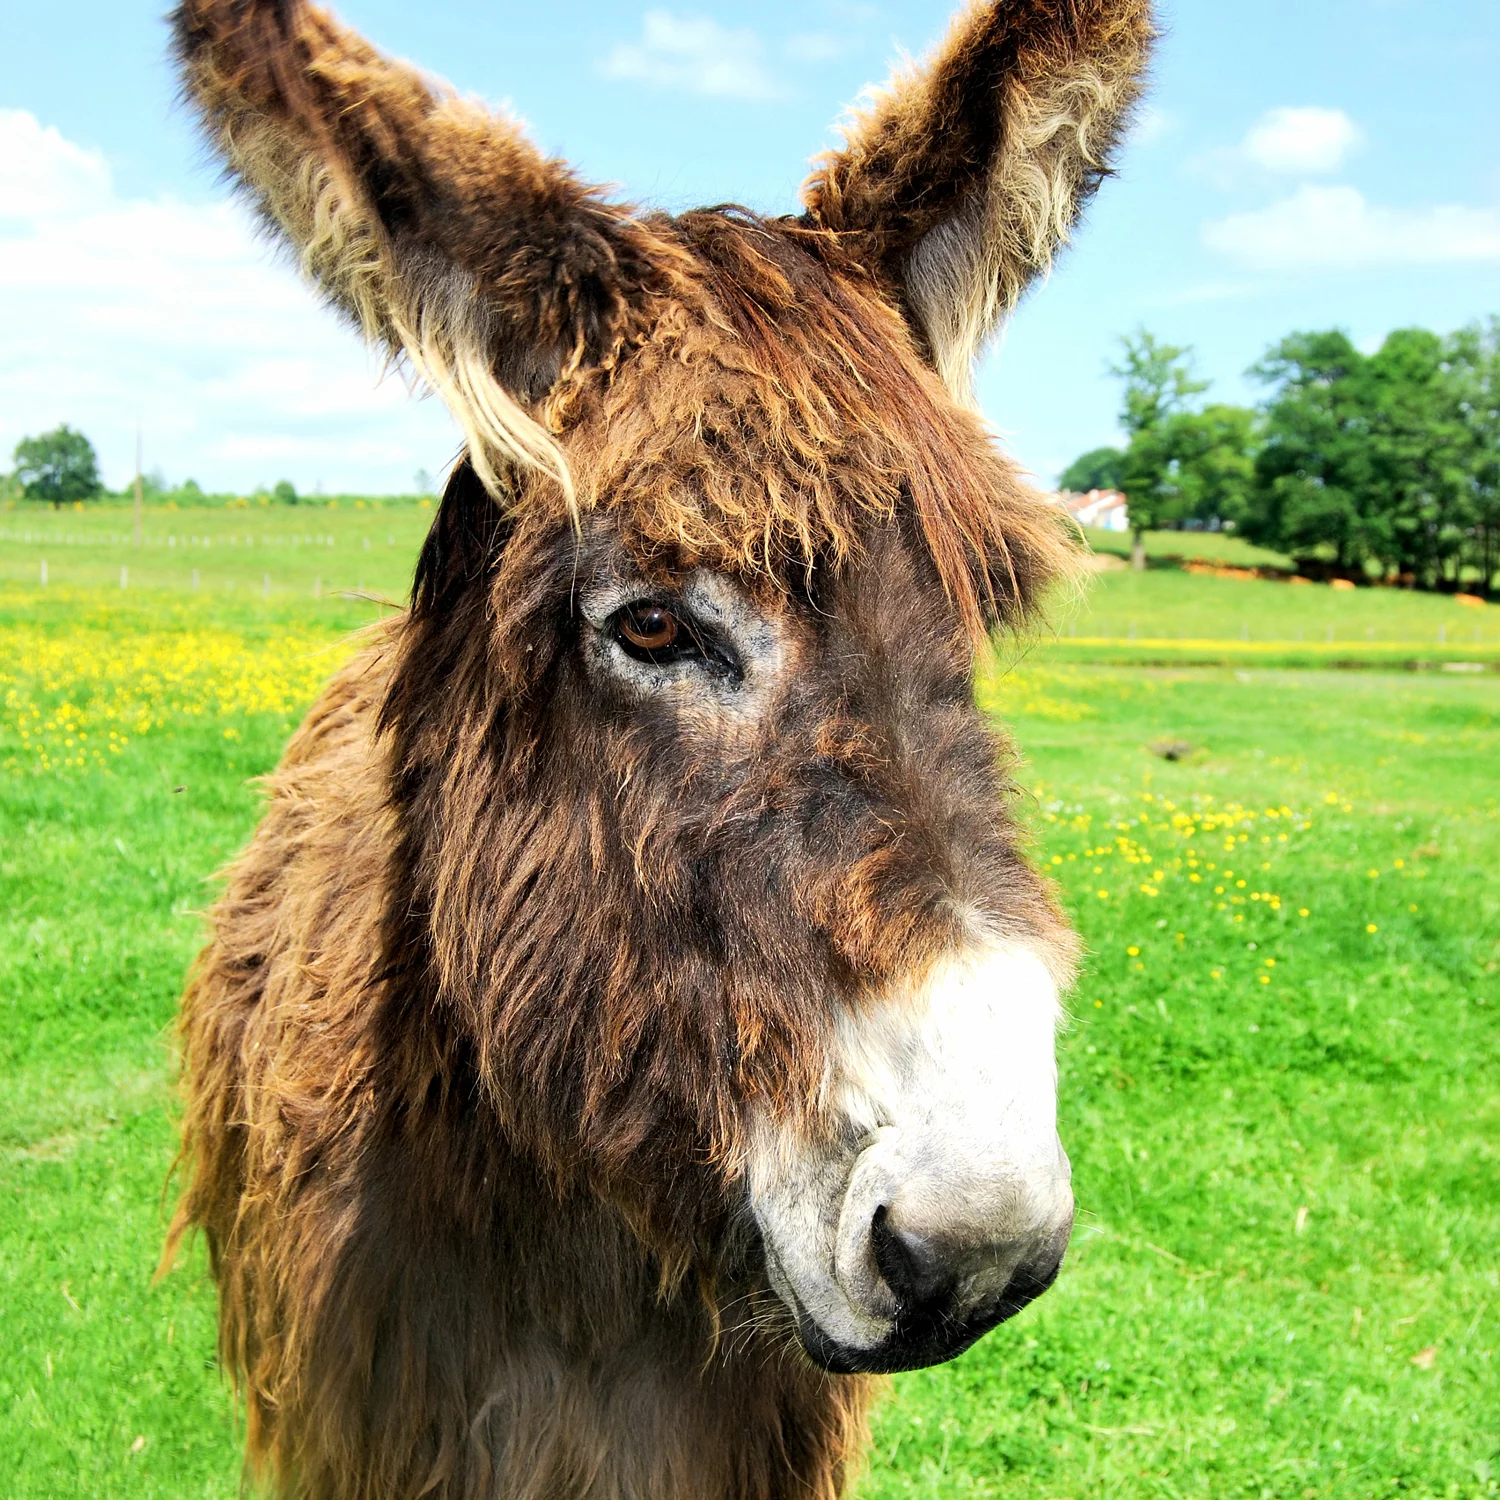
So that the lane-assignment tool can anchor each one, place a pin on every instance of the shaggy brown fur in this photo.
(964, 176)
(489, 999)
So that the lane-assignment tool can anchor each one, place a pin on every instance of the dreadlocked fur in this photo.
(536, 939)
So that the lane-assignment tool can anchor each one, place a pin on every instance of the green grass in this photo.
(1162, 616)
(1171, 548)
(107, 1382)
(259, 555)
(1170, 615)
(1288, 1189)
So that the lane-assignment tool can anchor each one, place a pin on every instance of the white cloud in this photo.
(1335, 228)
(116, 308)
(1307, 141)
(41, 174)
(1302, 142)
(697, 55)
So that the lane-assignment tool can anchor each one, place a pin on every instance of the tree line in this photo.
(1371, 467)
(61, 468)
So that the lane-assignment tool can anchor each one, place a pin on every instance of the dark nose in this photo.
(928, 1275)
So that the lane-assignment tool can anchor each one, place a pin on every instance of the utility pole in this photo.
(138, 500)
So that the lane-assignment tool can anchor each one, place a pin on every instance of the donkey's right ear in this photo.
(432, 223)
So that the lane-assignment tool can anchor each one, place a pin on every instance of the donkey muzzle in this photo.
(946, 1256)
(942, 1203)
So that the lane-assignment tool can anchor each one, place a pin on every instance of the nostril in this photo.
(912, 1264)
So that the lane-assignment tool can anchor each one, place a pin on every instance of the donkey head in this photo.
(705, 857)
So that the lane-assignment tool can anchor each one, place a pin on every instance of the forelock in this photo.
(780, 410)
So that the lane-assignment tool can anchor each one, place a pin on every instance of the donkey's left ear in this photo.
(962, 178)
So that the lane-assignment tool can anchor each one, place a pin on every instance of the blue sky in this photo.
(1307, 164)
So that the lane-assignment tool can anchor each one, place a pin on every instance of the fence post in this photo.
(44, 572)
(317, 588)
(124, 578)
(195, 580)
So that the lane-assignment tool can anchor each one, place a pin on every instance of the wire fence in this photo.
(173, 542)
(90, 558)
(1133, 631)
(266, 585)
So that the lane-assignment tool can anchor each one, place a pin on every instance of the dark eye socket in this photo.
(661, 634)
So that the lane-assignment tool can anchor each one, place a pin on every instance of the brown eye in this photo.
(661, 635)
(649, 627)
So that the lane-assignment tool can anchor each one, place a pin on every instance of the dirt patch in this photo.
(1223, 570)
(1173, 750)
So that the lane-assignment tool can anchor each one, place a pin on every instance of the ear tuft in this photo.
(963, 178)
(431, 223)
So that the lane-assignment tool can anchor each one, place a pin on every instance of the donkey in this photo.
(631, 1028)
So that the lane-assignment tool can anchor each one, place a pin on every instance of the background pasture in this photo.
(1279, 1088)
(352, 543)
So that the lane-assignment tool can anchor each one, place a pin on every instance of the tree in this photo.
(1473, 356)
(1313, 467)
(1211, 462)
(1159, 385)
(1159, 381)
(60, 466)
(1100, 469)
(1368, 461)
(1420, 451)
(285, 493)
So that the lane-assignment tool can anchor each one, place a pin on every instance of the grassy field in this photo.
(1281, 1095)
(1170, 616)
(1208, 546)
(1281, 1088)
(251, 551)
